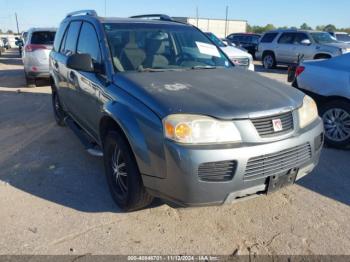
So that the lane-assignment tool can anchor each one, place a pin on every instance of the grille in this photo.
(242, 62)
(264, 125)
(277, 163)
(217, 171)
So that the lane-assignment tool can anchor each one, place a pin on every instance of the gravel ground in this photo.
(54, 197)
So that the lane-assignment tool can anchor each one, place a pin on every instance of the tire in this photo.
(122, 173)
(269, 60)
(336, 120)
(58, 110)
(30, 82)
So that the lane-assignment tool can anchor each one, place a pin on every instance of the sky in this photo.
(257, 12)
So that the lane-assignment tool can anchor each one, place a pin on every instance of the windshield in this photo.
(323, 38)
(343, 37)
(158, 47)
(216, 40)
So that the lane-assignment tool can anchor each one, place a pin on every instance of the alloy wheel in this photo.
(337, 124)
(268, 61)
(119, 172)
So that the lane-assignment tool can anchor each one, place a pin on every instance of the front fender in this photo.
(144, 132)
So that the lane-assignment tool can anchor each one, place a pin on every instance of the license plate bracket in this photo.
(277, 182)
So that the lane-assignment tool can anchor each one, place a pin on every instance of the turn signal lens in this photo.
(182, 131)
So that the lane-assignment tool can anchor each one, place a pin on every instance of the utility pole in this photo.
(226, 20)
(105, 7)
(17, 23)
(197, 15)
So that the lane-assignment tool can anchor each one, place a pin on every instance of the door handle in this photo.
(55, 64)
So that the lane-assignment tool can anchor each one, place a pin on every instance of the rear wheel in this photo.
(123, 177)
(30, 81)
(57, 109)
(336, 120)
(269, 60)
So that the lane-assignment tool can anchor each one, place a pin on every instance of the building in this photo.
(219, 27)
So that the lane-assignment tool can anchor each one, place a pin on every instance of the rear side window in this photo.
(70, 41)
(43, 38)
(88, 42)
(268, 38)
(59, 36)
(286, 38)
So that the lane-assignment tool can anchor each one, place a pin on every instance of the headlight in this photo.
(196, 129)
(308, 112)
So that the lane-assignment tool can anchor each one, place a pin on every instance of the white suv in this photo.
(286, 46)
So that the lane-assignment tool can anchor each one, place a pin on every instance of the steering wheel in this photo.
(182, 57)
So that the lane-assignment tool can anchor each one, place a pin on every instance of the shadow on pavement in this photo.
(331, 178)
(42, 159)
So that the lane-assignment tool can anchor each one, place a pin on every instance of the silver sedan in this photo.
(328, 82)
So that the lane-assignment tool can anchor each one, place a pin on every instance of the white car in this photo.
(341, 36)
(237, 56)
(36, 53)
(328, 82)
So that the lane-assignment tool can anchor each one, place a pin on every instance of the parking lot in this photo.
(54, 198)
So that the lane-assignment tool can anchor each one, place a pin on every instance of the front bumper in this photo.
(183, 186)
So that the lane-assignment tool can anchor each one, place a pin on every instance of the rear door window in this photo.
(70, 40)
(287, 38)
(43, 38)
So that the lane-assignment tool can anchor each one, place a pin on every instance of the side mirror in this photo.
(305, 42)
(16, 38)
(80, 62)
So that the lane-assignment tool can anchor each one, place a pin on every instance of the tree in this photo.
(320, 28)
(269, 27)
(10, 32)
(305, 26)
(0, 31)
(330, 28)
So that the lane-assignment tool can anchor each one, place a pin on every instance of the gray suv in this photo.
(173, 117)
(287, 46)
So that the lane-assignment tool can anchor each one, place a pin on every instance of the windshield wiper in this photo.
(203, 67)
(151, 70)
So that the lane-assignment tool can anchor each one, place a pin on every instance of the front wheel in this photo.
(269, 61)
(336, 120)
(123, 177)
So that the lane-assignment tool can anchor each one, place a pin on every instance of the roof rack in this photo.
(82, 12)
(154, 16)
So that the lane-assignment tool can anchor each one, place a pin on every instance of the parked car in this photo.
(285, 46)
(238, 57)
(24, 37)
(35, 54)
(248, 41)
(171, 122)
(341, 36)
(5, 42)
(327, 81)
(2, 47)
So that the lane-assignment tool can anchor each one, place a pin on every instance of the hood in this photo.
(220, 93)
(231, 51)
